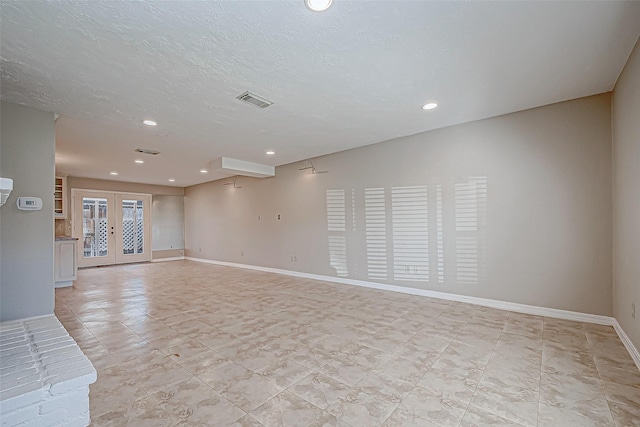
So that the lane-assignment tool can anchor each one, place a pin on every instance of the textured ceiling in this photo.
(354, 75)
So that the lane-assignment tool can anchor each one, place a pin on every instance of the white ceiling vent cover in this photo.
(254, 99)
(242, 167)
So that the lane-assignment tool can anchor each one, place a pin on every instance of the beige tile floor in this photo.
(184, 343)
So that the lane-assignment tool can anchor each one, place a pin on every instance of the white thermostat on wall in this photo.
(29, 203)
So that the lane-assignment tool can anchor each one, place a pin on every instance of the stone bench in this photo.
(44, 376)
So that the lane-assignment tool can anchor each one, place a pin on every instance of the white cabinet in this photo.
(60, 198)
(65, 268)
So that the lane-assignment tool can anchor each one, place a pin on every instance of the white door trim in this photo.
(113, 247)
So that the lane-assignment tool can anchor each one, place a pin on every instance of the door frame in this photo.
(116, 198)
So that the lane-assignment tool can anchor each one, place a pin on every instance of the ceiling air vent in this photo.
(254, 99)
(146, 151)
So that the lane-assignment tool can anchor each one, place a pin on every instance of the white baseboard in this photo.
(633, 351)
(501, 305)
(25, 319)
(175, 258)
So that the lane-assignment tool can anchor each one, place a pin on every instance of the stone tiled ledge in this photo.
(44, 376)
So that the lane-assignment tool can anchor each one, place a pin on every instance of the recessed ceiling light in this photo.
(172, 180)
(271, 152)
(149, 122)
(203, 171)
(318, 5)
(429, 106)
(139, 161)
(114, 173)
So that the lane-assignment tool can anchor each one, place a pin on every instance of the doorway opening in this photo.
(111, 227)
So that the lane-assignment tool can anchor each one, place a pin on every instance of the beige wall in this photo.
(626, 187)
(167, 223)
(27, 155)
(518, 208)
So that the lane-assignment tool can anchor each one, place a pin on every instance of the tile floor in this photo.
(184, 343)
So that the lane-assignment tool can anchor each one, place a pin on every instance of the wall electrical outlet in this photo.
(241, 253)
(633, 310)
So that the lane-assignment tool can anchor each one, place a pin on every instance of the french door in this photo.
(112, 228)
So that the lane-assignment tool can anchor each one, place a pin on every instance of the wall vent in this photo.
(254, 99)
(146, 151)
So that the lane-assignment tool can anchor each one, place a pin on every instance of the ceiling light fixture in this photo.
(172, 180)
(308, 164)
(146, 151)
(149, 123)
(203, 171)
(271, 152)
(114, 173)
(318, 5)
(429, 106)
(139, 161)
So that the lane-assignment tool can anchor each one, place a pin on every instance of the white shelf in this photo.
(60, 198)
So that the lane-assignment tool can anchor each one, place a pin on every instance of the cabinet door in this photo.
(65, 261)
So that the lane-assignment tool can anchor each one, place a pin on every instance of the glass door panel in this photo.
(133, 240)
(95, 229)
(94, 226)
(132, 227)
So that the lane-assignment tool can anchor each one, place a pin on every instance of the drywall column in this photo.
(27, 155)
(626, 175)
